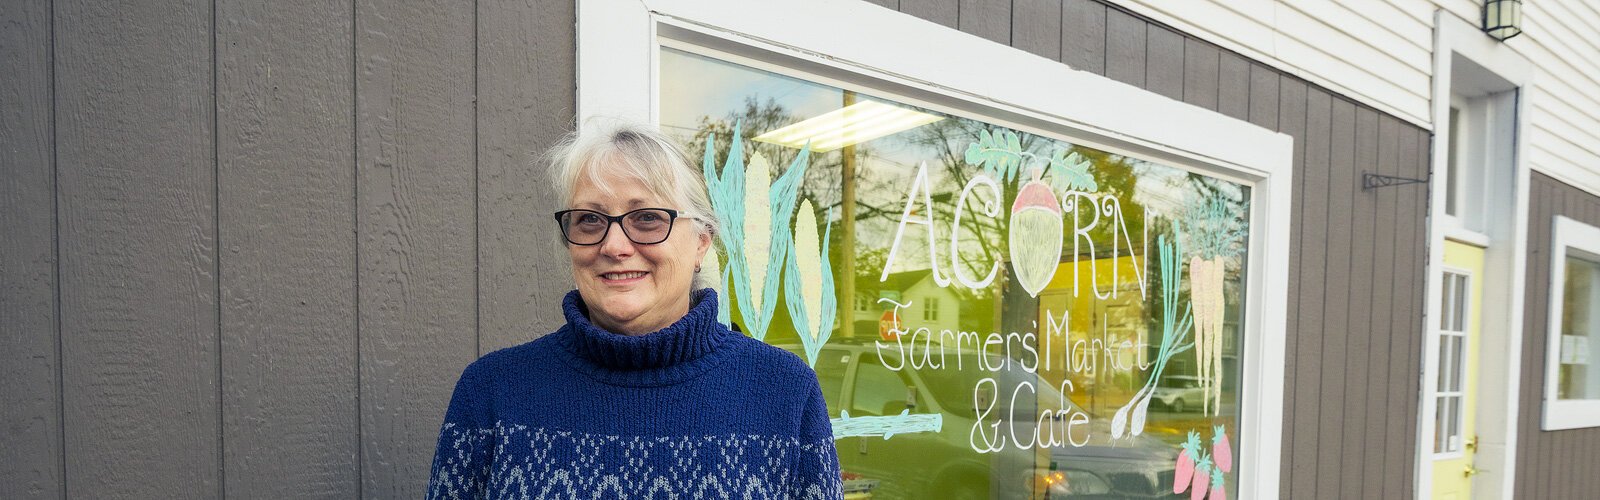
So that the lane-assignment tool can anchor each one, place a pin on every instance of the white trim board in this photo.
(1503, 78)
(618, 41)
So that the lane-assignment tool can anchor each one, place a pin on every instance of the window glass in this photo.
(1578, 377)
(1054, 320)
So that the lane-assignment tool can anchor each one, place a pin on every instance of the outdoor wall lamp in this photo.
(1502, 19)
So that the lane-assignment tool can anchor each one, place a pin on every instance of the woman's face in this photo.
(632, 288)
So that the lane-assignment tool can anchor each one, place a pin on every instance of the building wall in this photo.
(1550, 464)
(248, 248)
(1380, 53)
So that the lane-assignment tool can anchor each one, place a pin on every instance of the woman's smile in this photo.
(623, 277)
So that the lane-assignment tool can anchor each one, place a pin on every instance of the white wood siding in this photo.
(1380, 52)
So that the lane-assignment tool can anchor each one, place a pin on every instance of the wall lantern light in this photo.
(1502, 19)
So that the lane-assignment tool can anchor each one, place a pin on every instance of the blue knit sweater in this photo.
(691, 411)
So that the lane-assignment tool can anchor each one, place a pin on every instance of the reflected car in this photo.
(927, 463)
(1179, 393)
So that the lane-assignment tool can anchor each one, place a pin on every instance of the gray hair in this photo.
(635, 151)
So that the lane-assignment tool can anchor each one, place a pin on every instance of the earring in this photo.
(696, 269)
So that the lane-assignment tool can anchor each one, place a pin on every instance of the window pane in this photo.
(1444, 363)
(1442, 425)
(1454, 435)
(1026, 273)
(1580, 322)
(1452, 152)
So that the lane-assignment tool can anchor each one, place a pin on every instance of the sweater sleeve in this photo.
(816, 469)
(466, 446)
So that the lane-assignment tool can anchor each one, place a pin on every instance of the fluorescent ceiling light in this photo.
(853, 124)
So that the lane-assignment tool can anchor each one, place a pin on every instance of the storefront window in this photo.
(1572, 384)
(993, 313)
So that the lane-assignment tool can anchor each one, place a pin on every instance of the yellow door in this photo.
(1455, 331)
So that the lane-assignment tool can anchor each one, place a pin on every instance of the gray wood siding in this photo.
(30, 440)
(136, 187)
(287, 281)
(248, 247)
(416, 217)
(1355, 288)
(1550, 464)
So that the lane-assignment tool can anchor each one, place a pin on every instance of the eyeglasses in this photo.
(645, 226)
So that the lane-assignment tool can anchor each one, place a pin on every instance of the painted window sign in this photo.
(992, 313)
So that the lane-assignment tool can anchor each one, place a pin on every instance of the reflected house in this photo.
(927, 305)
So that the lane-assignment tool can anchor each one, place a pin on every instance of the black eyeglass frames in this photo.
(644, 226)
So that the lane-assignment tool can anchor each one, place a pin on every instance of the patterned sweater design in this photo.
(692, 411)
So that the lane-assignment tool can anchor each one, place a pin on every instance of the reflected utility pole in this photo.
(845, 278)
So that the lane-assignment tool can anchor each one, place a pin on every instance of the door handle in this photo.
(1472, 444)
(1470, 471)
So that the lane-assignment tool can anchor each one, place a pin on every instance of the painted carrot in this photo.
(1219, 489)
(1200, 484)
(1187, 454)
(1221, 450)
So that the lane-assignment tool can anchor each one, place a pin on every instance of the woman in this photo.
(642, 393)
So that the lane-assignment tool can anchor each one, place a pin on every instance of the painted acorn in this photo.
(1036, 235)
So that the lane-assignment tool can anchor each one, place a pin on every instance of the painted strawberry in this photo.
(1036, 235)
(1202, 479)
(1221, 451)
(1219, 490)
(1188, 452)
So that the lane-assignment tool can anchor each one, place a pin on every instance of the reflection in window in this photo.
(1580, 323)
(1062, 321)
(878, 391)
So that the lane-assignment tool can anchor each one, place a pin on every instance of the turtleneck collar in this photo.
(650, 359)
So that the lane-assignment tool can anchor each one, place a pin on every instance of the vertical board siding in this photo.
(1356, 157)
(1312, 292)
(136, 186)
(1164, 62)
(1125, 47)
(990, 19)
(1402, 286)
(1083, 35)
(526, 61)
(943, 12)
(1233, 86)
(1385, 236)
(416, 217)
(1415, 144)
(1036, 27)
(1263, 106)
(1550, 464)
(1200, 79)
(1322, 295)
(30, 441)
(1291, 102)
(286, 219)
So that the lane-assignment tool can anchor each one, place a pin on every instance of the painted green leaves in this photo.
(762, 251)
(1001, 155)
(808, 283)
(752, 207)
(1070, 172)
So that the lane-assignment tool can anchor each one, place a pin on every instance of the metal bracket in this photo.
(1373, 181)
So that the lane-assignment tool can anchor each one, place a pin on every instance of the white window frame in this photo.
(1565, 413)
(619, 42)
(1439, 332)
